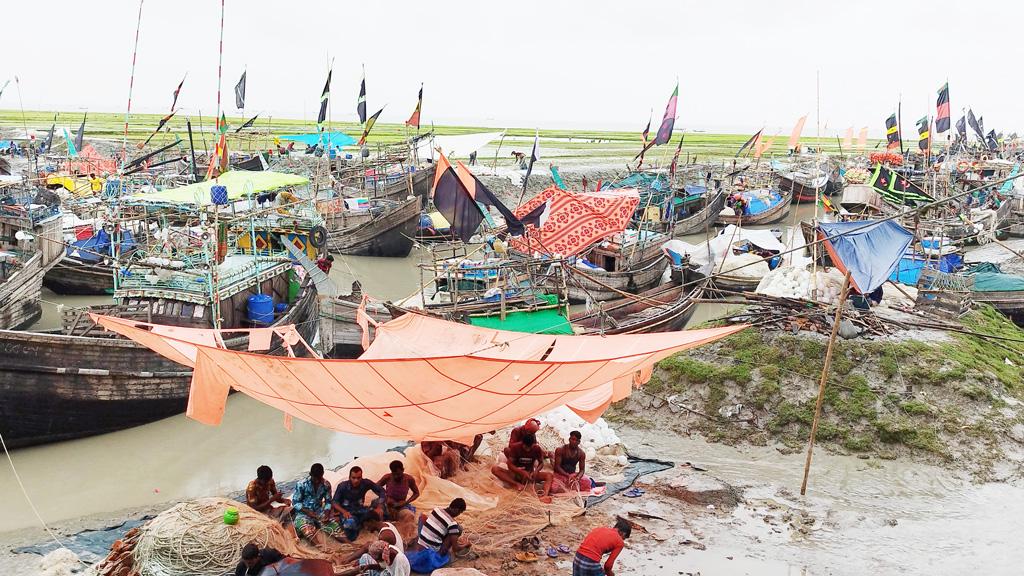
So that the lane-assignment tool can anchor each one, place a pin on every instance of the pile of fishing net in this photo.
(496, 517)
(192, 538)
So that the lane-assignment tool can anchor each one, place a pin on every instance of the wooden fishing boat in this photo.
(759, 212)
(342, 335)
(82, 383)
(383, 228)
(661, 309)
(698, 218)
(619, 269)
(804, 187)
(398, 187)
(73, 276)
(29, 244)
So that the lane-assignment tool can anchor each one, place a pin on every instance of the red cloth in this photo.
(602, 540)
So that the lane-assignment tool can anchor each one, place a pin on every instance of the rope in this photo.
(192, 538)
(31, 504)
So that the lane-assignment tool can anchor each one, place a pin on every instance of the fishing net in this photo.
(192, 538)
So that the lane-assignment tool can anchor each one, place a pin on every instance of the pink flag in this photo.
(848, 140)
(862, 139)
(794, 138)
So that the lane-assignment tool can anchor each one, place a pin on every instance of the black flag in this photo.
(961, 128)
(992, 140)
(80, 137)
(753, 140)
(240, 92)
(975, 125)
(49, 137)
(247, 124)
(361, 102)
(324, 96)
(176, 92)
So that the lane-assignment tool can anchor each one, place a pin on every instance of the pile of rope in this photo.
(192, 538)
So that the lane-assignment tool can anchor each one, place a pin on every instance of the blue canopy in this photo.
(5, 144)
(868, 250)
(327, 139)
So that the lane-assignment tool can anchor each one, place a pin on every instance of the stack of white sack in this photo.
(801, 283)
(598, 438)
(745, 265)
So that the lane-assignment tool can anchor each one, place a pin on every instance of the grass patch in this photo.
(898, 430)
(915, 408)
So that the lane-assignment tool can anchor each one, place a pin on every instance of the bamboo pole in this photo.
(824, 378)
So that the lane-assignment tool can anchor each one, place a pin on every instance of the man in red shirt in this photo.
(525, 460)
(601, 540)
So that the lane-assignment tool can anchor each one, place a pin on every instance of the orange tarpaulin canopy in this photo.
(422, 378)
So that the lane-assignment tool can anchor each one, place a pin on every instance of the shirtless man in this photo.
(570, 463)
(523, 468)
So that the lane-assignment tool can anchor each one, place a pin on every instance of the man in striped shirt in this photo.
(439, 538)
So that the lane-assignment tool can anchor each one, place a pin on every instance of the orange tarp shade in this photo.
(428, 379)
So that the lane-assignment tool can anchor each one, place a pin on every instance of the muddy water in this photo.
(172, 459)
(872, 517)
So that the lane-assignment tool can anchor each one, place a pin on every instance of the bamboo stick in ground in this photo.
(824, 377)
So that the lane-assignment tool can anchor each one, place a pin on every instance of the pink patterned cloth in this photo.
(575, 220)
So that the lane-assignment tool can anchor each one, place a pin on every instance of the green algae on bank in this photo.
(943, 398)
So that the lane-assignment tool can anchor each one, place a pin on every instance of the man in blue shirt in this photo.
(312, 505)
(350, 503)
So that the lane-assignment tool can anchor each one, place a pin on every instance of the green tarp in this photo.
(544, 321)
(238, 182)
(996, 282)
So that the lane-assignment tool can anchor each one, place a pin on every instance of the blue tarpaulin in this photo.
(326, 139)
(869, 251)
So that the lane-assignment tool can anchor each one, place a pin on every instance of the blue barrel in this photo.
(261, 309)
(281, 307)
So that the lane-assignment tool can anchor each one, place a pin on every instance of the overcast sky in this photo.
(525, 63)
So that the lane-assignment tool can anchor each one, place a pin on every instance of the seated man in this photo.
(445, 460)
(350, 502)
(254, 560)
(531, 426)
(523, 469)
(397, 486)
(439, 538)
(383, 559)
(467, 454)
(388, 533)
(261, 494)
(312, 503)
(570, 464)
(312, 508)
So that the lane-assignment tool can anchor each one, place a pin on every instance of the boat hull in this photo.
(701, 220)
(770, 216)
(644, 315)
(72, 276)
(20, 294)
(55, 387)
(602, 286)
(389, 235)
